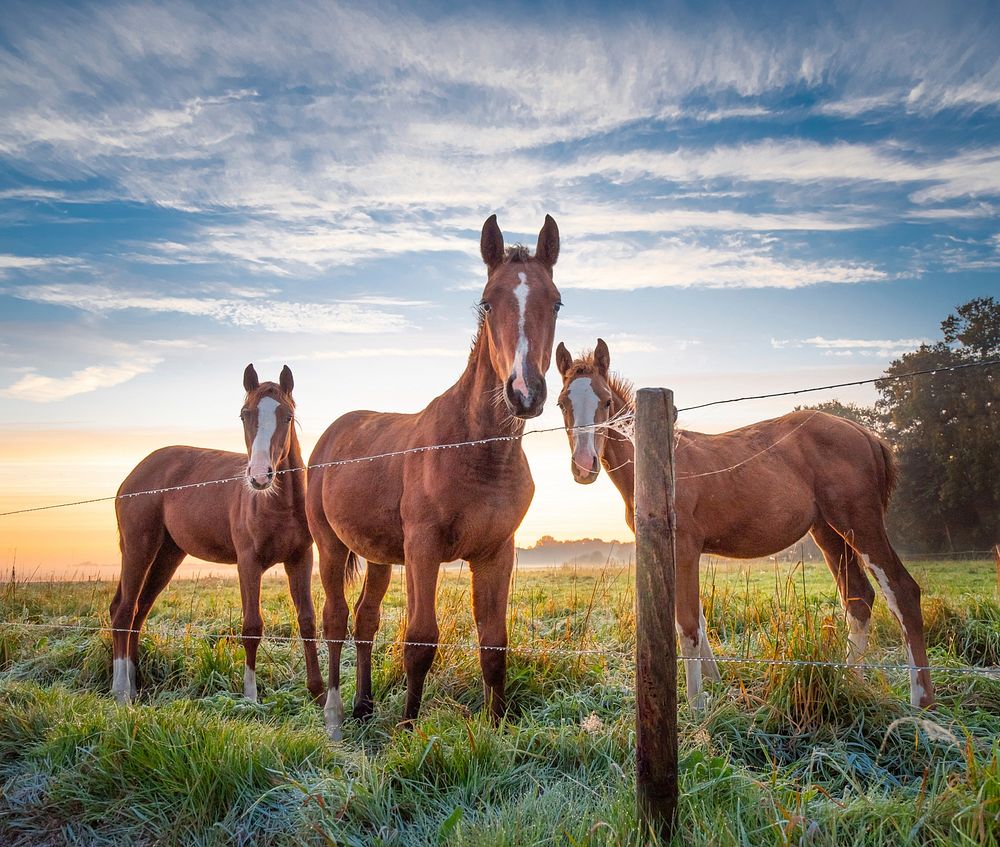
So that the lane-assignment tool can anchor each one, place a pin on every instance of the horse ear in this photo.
(491, 243)
(547, 251)
(250, 380)
(564, 361)
(285, 380)
(602, 358)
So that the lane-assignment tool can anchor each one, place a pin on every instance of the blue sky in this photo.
(751, 197)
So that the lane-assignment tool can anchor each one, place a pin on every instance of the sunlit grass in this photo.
(784, 754)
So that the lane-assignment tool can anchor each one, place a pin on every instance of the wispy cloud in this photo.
(271, 315)
(39, 388)
(729, 263)
(884, 348)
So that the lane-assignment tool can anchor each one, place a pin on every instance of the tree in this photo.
(946, 431)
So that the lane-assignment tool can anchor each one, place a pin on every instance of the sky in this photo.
(751, 197)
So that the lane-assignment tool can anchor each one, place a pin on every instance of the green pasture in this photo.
(784, 755)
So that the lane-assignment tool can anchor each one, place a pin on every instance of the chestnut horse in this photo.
(752, 492)
(254, 525)
(425, 508)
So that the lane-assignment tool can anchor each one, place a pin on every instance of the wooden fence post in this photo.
(656, 649)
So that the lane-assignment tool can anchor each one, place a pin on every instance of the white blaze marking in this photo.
(333, 713)
(521, 353)
(584, 402)
(250, 684)
(917, 691)
(260, 450)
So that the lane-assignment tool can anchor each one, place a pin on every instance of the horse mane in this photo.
(585, 366)
(516, 253)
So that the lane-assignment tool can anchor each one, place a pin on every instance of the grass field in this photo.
(783, 755)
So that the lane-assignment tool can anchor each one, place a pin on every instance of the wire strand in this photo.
(188, 633)
(890, 378)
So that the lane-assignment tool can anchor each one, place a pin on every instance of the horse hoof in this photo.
(363, 710)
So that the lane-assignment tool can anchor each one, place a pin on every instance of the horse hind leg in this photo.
(902, 594)
(856, 592)
(367, 616)
(137, 557)
(164, 566)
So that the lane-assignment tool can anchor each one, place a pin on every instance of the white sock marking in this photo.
(857, 638)
(122, 687)
(692, 669)
(250, 684)
(521, 353)
(333, 714)
(709, 665)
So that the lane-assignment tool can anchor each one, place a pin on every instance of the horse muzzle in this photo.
(527, 399)
(585, 469)
(259, 478)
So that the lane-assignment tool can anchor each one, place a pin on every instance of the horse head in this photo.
(518, 311)
(268, 416)
(586, 400)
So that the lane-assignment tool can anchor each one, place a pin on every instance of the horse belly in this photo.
(203, 533)
(755, 525)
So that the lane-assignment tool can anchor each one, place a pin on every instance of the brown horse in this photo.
(426, 508)
(752, 492)
(254, 525)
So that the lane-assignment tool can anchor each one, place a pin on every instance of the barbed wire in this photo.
(889, 378)
(333, 463)
(992, 672)
(622, 423)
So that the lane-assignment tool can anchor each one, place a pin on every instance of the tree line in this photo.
(945, 431)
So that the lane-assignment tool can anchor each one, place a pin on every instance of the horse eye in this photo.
(558, 306)
(485, 306)
(607, 405)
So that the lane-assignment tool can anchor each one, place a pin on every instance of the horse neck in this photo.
(619, 457)
(473, 405)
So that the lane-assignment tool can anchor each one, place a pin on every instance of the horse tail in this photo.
(353, 567)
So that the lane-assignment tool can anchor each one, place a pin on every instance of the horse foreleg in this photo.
(708, 664)
(367, 615)
(333, 571)
(490, 590)
(299, 573)
(423, 564)
(250, 573)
